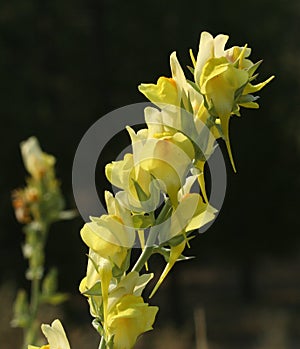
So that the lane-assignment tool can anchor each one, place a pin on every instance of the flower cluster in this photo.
(157, 206)
(41, 199)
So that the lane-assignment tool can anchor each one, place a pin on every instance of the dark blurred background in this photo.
(64, 64)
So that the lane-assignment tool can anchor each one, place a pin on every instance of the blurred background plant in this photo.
(60, 70)
(37, 206)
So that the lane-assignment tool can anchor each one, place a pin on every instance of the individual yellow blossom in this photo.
(167, 157)
(125, 175)
(128, 315)
(128, 319)
(163, 92)
(55, 335)
(224, 79)
(219, 83)
(173, 91)
(209, 47)
(96, 269)
(108, 237)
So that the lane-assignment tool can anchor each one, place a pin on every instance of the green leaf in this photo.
(21, 314)
(140, 192)
(239, 91)
(95, 265)
(165, 252)
(55, 299)
(191, 69)
(94, 290)
(68, 214)
(49, 285)
(253, 68)
(141, 221)
(194, 85)
(119, 272)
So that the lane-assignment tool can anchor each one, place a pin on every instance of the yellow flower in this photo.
(209, 47)
(108, 237)
(219, 83)
(36, 162)
(55, 335)
(131, 177)
(163, 92)
(98, 270)
(173, 91)
(224, 79)
(127, 314)
(129, 318)
(166, 156)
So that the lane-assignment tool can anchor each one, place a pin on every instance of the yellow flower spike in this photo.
(55, 335)
(175, 253)
(163, 92)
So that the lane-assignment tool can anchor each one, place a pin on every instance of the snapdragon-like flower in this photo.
(122, 311)
(129, 318)
(128, 315)
(173, 91)
(166, 156)
(110, 235)
(55, 335)
(224, 79)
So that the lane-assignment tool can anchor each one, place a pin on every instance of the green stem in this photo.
(30, 330)
(102, 343)
(36, 261)
(145, 255)
(150, 244)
